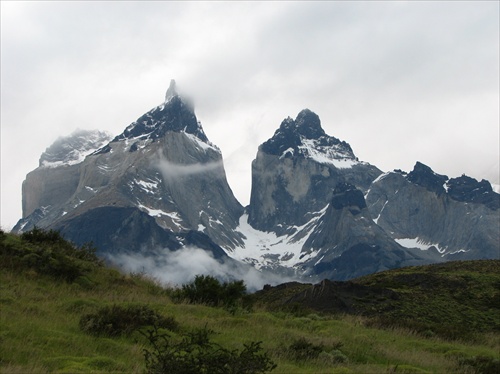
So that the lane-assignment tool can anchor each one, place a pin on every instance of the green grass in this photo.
(40, 314)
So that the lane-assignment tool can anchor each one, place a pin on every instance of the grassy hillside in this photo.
(47, 287)
(455, 300)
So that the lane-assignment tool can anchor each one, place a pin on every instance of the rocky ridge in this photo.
(458, 217)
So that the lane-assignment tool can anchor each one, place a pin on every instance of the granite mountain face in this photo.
(160, 183)
(315, 211)
(296, 171)
(307, 209)
(458, 217)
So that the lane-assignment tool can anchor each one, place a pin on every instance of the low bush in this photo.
(194, 353)
(37, 236)
(301, 349)
(118, 320)
(208, 290)
(48, 253)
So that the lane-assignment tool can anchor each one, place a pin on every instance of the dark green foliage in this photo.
(47, 252)
(208, 290)
(457, 300)
(194, 353)
(38, 236)
(118, 320)
(301, 349)
(3, 235)
(481, 364)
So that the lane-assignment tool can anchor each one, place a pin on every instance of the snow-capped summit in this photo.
(73, 149)
(305, 137)
(175, 114)
(296, 171)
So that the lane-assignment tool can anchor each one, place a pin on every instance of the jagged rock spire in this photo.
(171, 92)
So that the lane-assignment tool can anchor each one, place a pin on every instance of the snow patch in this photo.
(153, 212)
(332, 155)
(419, 243)
(174, 216)
(381, 176)
(149, 187)
(80, 202)
(266, 248)
(380, 213)
(201, 144)
(289, 150)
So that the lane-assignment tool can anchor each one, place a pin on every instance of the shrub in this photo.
(47, 252)
(301, 349)
(208, 290)
(118, 320)
(37, 235)
(195, 353)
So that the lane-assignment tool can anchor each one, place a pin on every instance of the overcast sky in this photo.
(399, 81)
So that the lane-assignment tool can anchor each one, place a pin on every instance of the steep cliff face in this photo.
(296, 171)
(347, 243)
(49, 186)
(459, 216)
(307, 206)
(162, 165)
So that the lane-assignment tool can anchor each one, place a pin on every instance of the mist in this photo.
(170, 170)
(175, 268)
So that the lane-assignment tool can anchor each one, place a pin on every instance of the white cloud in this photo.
(170, 170)
(181, 267)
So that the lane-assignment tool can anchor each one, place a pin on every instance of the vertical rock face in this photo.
(307, 206)
(162, 165)
(56, 179)
(296, 171)
(459, 216)
(349, 244)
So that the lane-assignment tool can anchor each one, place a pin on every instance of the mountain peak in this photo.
(175, 114)
(308, 124)
(72, 149)
(424, 176)
(171, 92)
(305, 137)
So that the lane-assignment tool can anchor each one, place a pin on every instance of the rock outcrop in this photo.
(459, 217)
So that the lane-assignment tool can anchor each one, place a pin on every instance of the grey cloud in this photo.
(399, 81)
